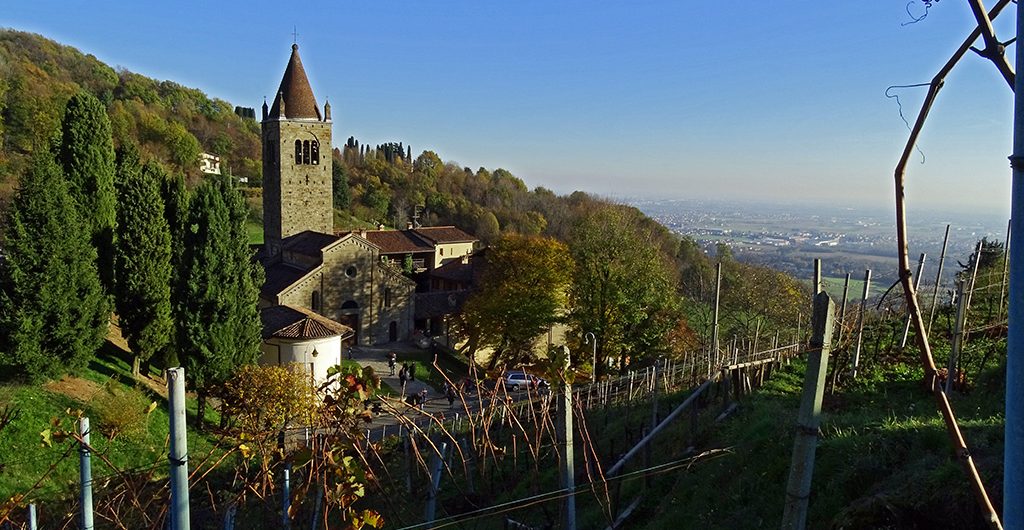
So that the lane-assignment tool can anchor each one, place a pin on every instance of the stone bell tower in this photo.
(296, 161)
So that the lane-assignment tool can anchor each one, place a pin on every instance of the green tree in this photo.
(53, 314)
(142, 258)
(86, 152)
(221, 327)
(342, 197)
(623, 289)
(523, 294)
(175, 198)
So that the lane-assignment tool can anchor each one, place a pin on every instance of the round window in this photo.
(351, 271)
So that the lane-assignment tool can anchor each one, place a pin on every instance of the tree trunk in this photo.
(135, 366)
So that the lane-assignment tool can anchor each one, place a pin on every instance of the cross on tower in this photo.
(295, 35)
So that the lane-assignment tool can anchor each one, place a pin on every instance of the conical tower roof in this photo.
(296, 92)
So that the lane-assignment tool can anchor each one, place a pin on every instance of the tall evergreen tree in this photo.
(221, 325)
(142, 258)
(86, 153)
(176, 210)
(53, 314)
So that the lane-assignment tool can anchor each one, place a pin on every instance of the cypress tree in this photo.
(176, 205)
(221, 326)
(86, 153)
(142, 258)
(53, 313)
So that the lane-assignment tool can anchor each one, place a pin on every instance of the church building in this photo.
(339, 276)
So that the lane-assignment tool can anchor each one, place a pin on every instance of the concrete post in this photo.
(85, 474)
(32, 525)
(938, 280)
(958, 337)
(565, 433)
(178, 456)
(917, 283)
(860, 320)
(437, 462)
(794, 516)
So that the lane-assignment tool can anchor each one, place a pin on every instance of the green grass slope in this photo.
(883, 460)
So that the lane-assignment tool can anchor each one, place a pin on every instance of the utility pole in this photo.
(714, 323)
(590, 338)
(178, 456)
(1013, 454)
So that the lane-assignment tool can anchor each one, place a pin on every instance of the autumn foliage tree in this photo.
(623, 287)
(522, 294)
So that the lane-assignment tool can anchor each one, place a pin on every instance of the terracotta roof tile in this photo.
(298, 95)
(291, 322)
(443, 234)
(398, 241)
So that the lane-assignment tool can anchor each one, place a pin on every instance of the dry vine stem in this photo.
(993, 53)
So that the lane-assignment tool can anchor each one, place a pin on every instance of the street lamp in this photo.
(589, 337)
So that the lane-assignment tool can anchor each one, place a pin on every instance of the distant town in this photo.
(848, 240)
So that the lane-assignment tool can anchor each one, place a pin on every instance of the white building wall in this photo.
(283, 352)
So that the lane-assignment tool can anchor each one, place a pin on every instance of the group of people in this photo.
(408, 373)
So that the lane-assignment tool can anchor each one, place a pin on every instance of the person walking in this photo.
(403, 377)
(450, 394)
(412, 372)
(391, 362)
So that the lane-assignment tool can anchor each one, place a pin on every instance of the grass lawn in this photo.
(122, 431)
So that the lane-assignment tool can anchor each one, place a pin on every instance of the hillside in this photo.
(170, 122)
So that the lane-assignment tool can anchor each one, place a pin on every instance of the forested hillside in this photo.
(171, 123)
(387, 184)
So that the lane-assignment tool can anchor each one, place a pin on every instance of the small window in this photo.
(387, 297)
(315, 302)
(298, 151)
(315, 152)
(305, 152)
(351, 271)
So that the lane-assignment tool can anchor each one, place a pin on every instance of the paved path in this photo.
(376, 357)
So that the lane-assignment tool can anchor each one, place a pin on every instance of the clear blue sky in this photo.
(739, 100)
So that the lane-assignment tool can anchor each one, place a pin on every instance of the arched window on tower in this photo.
(298, 151)
(315, 155)
(305, 151)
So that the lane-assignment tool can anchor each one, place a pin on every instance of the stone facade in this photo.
(352, 286)
(341, 277)
(297, 163)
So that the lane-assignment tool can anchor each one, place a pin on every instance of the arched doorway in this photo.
(350, 317)
(393, 331)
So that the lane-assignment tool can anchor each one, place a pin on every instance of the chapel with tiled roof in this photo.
(359, 280)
